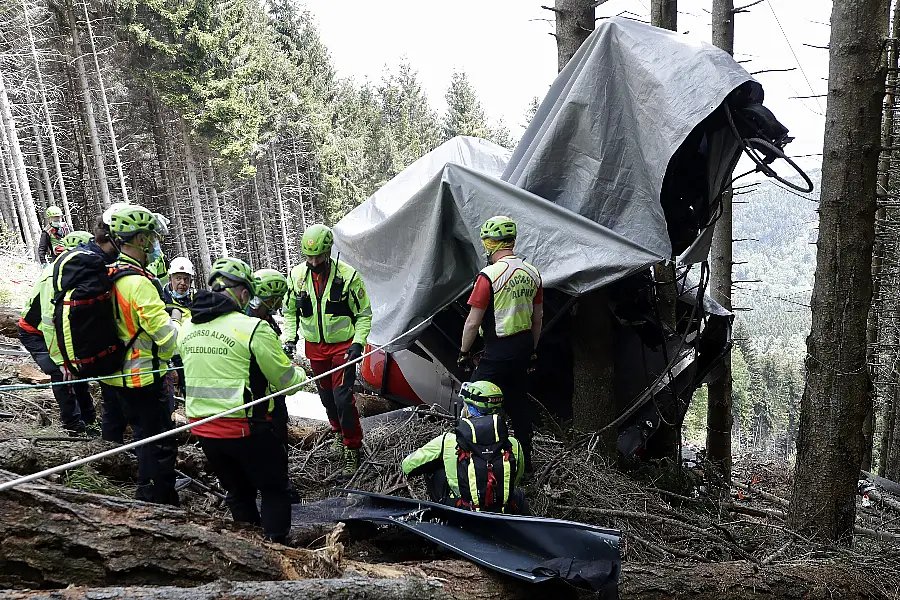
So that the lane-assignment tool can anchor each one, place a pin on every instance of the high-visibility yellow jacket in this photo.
(140, 311)
(342, 313)
(39, 316)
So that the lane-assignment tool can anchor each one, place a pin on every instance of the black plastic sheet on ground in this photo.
(528, 548)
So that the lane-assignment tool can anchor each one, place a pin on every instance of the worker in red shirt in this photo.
(507, 306)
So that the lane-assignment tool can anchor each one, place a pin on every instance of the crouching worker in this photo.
(477, 466)
(231, 358)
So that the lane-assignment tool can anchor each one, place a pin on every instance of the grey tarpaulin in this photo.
(602, 138)
(598, 149)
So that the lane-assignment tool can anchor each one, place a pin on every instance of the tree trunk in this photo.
(45, 106)
(719, 410)
(42, 165)
(194, 188)
(217, 210)
(18, 162)
(836, 400)
(84, 87)
(881, 336)
(12, 192)
(574, 23)
(300, 206)
(165, 169)
(267, 257)
(8, 209)
(593, 404)
(280, 201)
(109, 122)
(664, 13)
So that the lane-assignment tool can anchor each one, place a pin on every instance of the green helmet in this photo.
(484, 396)
(53, 211)
(233, 269)
(270, 283)
(317, 239)
(76, 237)
(129, 220)
(498, 228)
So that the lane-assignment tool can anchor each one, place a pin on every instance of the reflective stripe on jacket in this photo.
(139, 310)
(514, 285)
(331, 319)
(441, 453)
(219, 358)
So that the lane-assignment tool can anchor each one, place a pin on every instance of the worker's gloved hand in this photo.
(290, 348)
(532, 364)
(353, 352)
(464, 361)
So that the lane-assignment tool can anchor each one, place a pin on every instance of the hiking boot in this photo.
(351, 460)
(78, 429)
(337, 444)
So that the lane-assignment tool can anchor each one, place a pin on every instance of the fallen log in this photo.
(54, 536)
(407, 588)
(714, 581)
(27, 456)
(709, 581)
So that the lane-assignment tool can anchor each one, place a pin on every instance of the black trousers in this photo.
(147, 409)
(280, 419)
(114, 422)
(76, 407)
(245, 466)
(511, 376)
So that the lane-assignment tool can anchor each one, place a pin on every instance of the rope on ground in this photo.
(31, 386)
(124, 448)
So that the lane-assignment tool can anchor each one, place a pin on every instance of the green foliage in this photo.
(88, 480)
(465, 115)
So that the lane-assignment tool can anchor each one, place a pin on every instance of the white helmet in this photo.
(163, 222)
(181, 264)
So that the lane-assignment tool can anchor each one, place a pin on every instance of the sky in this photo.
(507, 51)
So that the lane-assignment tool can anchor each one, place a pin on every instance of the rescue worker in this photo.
(50, 245)
(270, 287)
(507, 305)
(478, 466)
(328, 304)
(231, 358)
(38, 336)
(143, 323)
(178, 295)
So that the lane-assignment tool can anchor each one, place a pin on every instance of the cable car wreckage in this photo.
(622, 168)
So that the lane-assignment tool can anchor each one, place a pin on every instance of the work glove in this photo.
(464, 361)
(353, 352)
(532, 364)
(290, 348)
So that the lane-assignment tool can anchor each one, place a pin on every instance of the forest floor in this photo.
(684, 535)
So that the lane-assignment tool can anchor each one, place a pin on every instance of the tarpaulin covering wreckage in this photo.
(532, 549)
(621, 168)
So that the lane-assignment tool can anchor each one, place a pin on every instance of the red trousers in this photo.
(336, 393)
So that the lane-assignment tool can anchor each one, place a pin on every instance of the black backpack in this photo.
(485, 451)
(84, 316)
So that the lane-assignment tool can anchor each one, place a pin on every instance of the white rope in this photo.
(118, 450)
